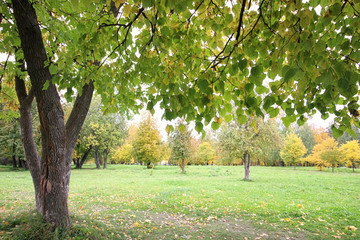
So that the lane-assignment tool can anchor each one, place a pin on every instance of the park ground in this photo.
(208, 202)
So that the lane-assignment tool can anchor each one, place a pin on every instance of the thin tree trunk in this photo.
(247, 161)
(14, 161)
(353, 165)
(333, 168)
(20, 162)
(183, 165)
(84, 157)
(105, 154)
(96, 157)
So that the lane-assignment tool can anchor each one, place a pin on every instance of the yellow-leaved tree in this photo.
(326, 154)
(292, 150)
(123, 155)
(351, 153)
(330, 152)
(147, 142)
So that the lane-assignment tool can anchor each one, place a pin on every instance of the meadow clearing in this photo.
(208, 202)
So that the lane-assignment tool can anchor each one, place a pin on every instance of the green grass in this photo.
(126, 202)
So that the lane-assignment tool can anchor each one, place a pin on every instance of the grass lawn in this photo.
(208, 202)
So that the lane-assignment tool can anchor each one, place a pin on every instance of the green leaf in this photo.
(53, 69)
(182, 128)
(336, 132)
(273, 112)
(290, 74)
(46, 85)
(228, 118)
(256, 71)
(75, 4)
(242, 64)
(169, 129)
(249, 87)
(242, 119)
(215, 125)
(228, 18)
(199, 127)
(250, 101)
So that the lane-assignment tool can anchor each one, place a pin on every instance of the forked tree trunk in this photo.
(247, 161)
(51, 172)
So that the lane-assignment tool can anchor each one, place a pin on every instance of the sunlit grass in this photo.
(208, 201)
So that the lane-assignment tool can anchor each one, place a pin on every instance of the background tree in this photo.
(330, 153)
(123, 154)
(102, 133)
(351, 153)
(292, 150)
(179, 141)
(205, 154)
(306, 133)
(146, 143)
(246, 139)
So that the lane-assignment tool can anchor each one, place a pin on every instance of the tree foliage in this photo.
(179, 141)
(326, 154)
(292, 150)
(351, 153)
(195, 58)
(123, 154)
(205, 154)
(147, 142)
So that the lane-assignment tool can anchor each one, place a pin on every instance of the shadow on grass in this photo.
(30, 225)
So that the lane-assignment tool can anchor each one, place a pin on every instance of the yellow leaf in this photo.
(127, 10)
(118, 2)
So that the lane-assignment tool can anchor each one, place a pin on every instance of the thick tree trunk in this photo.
(96, 157)
(51, 173)
(247, 161)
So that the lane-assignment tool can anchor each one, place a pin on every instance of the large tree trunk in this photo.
(96, 157)
(51, 172)
(247, 161)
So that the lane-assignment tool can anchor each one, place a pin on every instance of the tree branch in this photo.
(78, 114)
(240, 20)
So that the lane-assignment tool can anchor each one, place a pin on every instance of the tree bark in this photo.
(84, 157)
(51, 172)
(96, 157)
(247, 161)
(183, 165)
(105, 155)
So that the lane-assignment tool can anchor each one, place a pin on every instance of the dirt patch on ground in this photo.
(179, 226)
